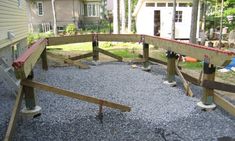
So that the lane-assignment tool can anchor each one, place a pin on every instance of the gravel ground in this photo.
(159, 112)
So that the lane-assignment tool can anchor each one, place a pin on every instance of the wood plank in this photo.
(154, 60)
(77, 63)
(15, 112)
(191, 79)
(69, 39)
(109, 54)
(211, 55)
(219, 86)
(119, 37)
(26, 62)
(90, 54)
(78, 96)
(226, 105)
(185, 83)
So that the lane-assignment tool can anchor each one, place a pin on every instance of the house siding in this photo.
(13, 18)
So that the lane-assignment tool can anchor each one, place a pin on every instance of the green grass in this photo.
(124, 53)
(192, 65)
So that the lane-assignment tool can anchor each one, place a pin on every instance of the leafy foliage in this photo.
(71, 29)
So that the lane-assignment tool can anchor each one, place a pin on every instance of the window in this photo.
(150, 4)
(178, 16)
(40, 8)
(91, 10)
(170, 4)
(183, 5)
(161, 4)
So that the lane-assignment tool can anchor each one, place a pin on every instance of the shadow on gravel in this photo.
(115, 127)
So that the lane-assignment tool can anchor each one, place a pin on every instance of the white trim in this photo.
(39, 2)
(91, 6)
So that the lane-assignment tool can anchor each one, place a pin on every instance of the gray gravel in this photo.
(159, 112)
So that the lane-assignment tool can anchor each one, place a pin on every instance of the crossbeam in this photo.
(90, 54)
(78, 96)
(119, 58)
(26, 62)
(219, 86)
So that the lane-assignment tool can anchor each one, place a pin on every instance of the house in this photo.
(13, 29)
(154, 17)
(78, 12)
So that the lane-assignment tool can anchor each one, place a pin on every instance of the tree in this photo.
(173, 20)
(54, 17)
(129, 16)
(193, 31)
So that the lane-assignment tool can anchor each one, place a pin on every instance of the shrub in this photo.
(33, 37)
(71, 29)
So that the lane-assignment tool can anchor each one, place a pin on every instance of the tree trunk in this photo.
(123, 15)
(129, 16)
(193, 31)
(116, 16)
(173, 20)
(54, 17)
(221, 23)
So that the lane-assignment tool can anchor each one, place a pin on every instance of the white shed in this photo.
(154, 17)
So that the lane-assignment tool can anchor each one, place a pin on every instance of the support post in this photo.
(208, 74)
(44, 60)
(171, 58)
(95, 45)
(146, 66)
(30, 110)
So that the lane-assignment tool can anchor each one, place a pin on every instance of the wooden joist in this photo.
(90, 54)
(119, 37)
(154, 60)
(69, 39)
(76, 63)
(109, 54)
(15, 112)
(26, 62)
(210, 55)
(67, 93)
(226, 105)
(218, 86)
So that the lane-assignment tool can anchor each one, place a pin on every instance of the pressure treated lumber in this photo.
(119, 37)
(77, 63)
(219, 86)
(52, 41)
(226, 105)
(109, 54)
(63, 92)
(185, 83)
(90, 54)
(44, 59)
(14, 114)
(26, 62)
(203, 53)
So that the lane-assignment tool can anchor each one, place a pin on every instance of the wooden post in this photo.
(95, 45)
(146, 55)
(171, 58)
(44, 60)
(30, 101)
(208, 74)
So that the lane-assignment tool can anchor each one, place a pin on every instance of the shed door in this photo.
(157, 23)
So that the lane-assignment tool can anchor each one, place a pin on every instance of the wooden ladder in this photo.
(8, 76)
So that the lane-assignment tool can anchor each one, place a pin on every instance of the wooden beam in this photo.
(26, 62)
(77, 63)
(210, 55)
(90, 54)
(154, 60)
(15, 112)
(191, 79)
(226, 105)
(69, 39)
(109, 54)
(119, 37)
(219, 86)
(63, 92)
(185, 83)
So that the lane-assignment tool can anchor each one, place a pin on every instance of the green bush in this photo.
(34, 37)
(71, 29)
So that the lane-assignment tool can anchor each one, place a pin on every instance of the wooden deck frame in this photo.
(119, 58)
(78, 96)
(210, 55)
